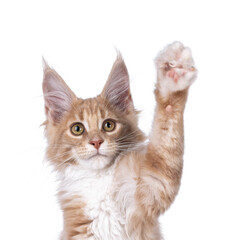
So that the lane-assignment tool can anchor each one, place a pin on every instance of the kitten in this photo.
(111, 184)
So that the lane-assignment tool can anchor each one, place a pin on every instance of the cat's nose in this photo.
(96, 143)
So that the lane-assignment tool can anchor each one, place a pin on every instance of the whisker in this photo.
(62, 144)
(59, 156)
(65, 161)
(126, 139)
(131, 134)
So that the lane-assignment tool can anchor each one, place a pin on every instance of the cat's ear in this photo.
(117, 88)
(58, 96)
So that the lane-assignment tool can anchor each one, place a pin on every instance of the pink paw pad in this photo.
(174, 75)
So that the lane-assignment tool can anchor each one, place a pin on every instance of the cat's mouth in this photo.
(98, 155)
(96, 160)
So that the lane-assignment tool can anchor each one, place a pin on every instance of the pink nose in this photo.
(96, 143)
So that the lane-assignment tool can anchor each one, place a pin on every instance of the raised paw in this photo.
(175, 68)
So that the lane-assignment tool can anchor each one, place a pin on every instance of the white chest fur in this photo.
(96, 188)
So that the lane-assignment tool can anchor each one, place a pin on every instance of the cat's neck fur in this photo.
(94, 189)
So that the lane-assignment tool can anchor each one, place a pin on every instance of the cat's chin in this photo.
(96, 162)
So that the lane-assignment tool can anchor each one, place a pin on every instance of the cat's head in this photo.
(90, 133)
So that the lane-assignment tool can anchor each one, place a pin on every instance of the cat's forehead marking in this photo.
(102, 112)
(92, 107)
(80, 115)
(91, 112)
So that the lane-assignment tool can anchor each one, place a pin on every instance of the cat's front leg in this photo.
(160, 166)
(161, 169)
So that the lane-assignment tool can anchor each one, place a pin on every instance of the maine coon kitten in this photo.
(111, 184)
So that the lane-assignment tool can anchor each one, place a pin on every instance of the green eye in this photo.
(109, 125)
(77, 129)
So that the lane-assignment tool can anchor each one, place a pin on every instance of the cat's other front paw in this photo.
(175, 69)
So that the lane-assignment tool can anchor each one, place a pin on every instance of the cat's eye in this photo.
(77, 129)
(109, 125)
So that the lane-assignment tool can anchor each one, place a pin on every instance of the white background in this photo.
(78, 38)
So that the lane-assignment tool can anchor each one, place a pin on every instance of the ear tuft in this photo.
(117, 87)
(45, 64)
(57, 95)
